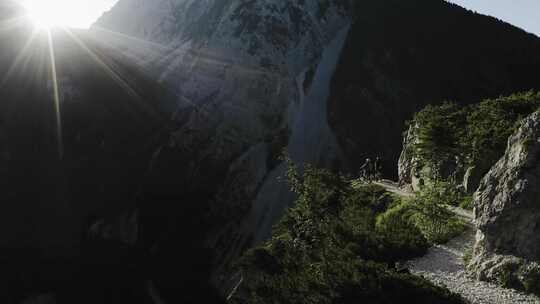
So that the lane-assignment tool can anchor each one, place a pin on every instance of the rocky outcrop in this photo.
(414, 171)
(417, 173)
(410, 170)
(457, 144)
(507, 213)
(406, 162)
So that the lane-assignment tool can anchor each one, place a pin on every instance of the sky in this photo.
(82, 13)
(71, 13)
(521, 13)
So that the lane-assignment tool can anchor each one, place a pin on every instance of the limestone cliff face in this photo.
(413, 171)
(251, 80)
(459, 144)
(507, 213)
(409, 169)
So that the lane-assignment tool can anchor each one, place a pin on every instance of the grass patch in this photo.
(467, 202)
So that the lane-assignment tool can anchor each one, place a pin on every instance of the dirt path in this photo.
(443, 265)
(394, 188)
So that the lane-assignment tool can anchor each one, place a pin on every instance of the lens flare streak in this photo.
(22, 54)
(56, 97)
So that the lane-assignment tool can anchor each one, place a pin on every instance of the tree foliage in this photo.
(337, 244)
(473, 134)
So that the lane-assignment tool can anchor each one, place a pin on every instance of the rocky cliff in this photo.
(458, 168)
(507, 214)
(254, 78)
(459, 144)
(330, 81)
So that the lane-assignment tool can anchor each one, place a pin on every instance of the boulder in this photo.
(507, 213)
(417, 173)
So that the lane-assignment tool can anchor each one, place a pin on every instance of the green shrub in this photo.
(335, 245)
(491, 122)
(431, 215)
(467, 202)
(324, 5)
(506, 275)
(400, 234)
(473, 134)
(439, 133)
(531, 278)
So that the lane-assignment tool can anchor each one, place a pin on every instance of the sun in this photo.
(45, 17)
(47, 14)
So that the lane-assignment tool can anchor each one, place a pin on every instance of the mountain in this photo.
(401, 56)
(175, 113)
(244, 70)
(109, 116)
(259, 76)
(56, 181)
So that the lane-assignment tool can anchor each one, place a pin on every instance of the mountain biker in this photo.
(377, 169)
(366, 170)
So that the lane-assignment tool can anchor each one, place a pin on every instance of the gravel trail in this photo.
(443, 265)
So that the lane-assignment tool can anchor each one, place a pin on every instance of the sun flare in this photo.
(47, 14)
(45, 17)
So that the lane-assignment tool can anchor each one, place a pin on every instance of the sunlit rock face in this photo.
(282, 34)
(507, 213)
(238, 61)
(250, 82)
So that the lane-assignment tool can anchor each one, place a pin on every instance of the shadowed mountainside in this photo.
(112, 116)
(401, 56)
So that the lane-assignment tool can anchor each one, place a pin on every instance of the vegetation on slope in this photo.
(402, 55)
(450, 138)
(339, 244)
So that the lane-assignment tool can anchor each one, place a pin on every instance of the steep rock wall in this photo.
(507, 213)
